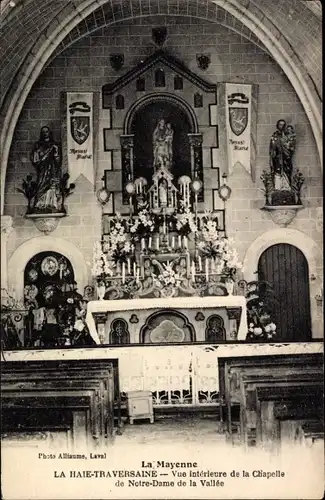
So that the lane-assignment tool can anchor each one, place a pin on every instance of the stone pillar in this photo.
(197, 160)
(6, 229)
(127, 163)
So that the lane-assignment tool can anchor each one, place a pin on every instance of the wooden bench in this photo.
(43, 384)
(240, 376)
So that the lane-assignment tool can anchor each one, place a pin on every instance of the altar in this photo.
(168, 320)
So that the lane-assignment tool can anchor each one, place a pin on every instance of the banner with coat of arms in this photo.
(80, 137)
(238, 125)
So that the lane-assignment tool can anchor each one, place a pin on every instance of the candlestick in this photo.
(200, 264)
(129, 266)
(134, 269)
(193, 271)
(157, 243)
(173, 241)
(61, 269)
(138, 275)
(150, 242)
(143, 244)
(207, 269)
(179, 241)
(123, 272)
(185, 242)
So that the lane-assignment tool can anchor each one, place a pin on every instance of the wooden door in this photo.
(286, 269)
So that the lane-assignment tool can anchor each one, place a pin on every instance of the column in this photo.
(126, 163)
(197, 160)
(6, 229)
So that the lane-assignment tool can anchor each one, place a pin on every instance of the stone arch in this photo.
(28, 249)
(45, 47)
(160, 97)
(307, 246)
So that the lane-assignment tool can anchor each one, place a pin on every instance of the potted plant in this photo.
(261, 302)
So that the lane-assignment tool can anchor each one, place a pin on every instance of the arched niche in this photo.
(27, 250)
(312, 254)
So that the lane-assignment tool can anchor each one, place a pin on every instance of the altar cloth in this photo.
(102, 306)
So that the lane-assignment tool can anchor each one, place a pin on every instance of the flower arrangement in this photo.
(261, 301)
(213, 245)
(143, 225)
(185, 222)
(297, 183)
(101, 265)
(168, 278)
(119, 247)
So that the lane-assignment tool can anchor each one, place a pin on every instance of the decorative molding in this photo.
(282, 215)
(159, 57)
(203, 61)
(46, 223)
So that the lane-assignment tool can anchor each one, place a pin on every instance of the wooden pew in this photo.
(232, 369)
(92, 381)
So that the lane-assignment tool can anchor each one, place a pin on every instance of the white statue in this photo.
(162, 140)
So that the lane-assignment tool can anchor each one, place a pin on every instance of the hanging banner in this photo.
(80, 137)
(238, 125)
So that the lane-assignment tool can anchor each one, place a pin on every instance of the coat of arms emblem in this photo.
(79, 123)
(238, 116)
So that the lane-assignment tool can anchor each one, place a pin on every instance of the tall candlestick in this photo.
(193, 271)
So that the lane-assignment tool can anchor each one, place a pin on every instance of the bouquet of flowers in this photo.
(101, 265)
(185, 222)
(119, 246)
(213, 245)
(261, 301)
(143, 225)
(168, 279)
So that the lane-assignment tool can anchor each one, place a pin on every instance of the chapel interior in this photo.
(161, 222)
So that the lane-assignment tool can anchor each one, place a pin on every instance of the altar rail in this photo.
(177, 375)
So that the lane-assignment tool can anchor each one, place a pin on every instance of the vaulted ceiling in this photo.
(32, 32)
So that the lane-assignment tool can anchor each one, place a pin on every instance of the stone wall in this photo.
(86, 66)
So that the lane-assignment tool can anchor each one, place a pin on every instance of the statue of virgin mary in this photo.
(162, 141)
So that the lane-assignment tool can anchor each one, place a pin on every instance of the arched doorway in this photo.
(285, 267)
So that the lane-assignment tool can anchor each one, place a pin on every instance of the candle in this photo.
(157, 243)
(200, 264)
(138, 275)
(143, 244)
(164, 227)
(179, 241)
(123, 272)
(193, 271)
(150, 242)
(61, 269)
(173, 241)
(134, 269)
(129, 266)
(207, 269)
(185, 242)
